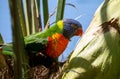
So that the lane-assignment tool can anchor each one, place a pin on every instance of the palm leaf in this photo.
(96, 55)
(60, 10)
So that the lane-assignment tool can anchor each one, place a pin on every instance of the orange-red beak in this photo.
(79, 32)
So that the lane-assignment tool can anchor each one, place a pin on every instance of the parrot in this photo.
(46, 46)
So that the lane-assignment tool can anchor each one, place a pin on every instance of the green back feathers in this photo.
(41, 37)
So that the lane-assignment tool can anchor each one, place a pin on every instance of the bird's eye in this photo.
(73, 26)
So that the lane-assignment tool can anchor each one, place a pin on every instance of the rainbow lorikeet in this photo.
(44, 47)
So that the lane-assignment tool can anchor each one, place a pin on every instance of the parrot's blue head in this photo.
(72, 28)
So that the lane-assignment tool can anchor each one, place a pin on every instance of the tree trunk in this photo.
(97, 55)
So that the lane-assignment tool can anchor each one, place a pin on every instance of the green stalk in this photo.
(28, 20)
(20, 59)
(26, 17)
(37, 16)
(22, 17)
(33, 16)
(37, 2)
(45, 11)
(60, 10)
(1, 40)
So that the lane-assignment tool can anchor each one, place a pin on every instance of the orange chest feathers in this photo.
(56, 45)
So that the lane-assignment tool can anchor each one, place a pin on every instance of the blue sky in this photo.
(84, 8)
